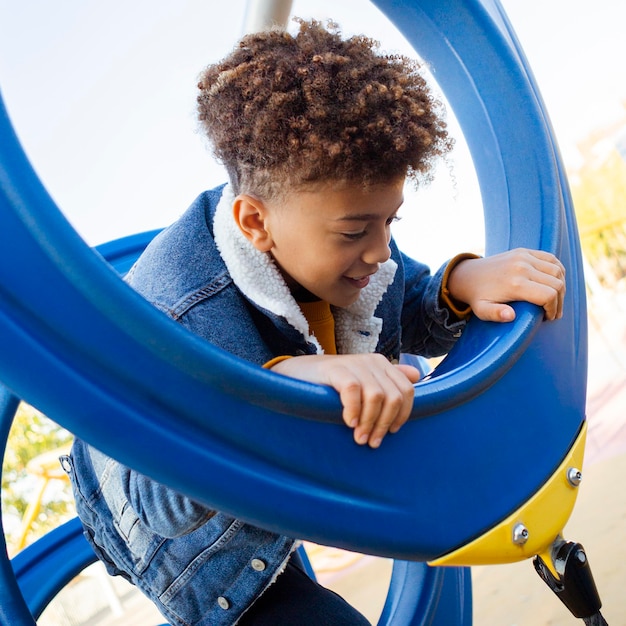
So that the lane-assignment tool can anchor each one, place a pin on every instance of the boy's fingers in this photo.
(375, 395)
(398, 401)
(494, 312)
(550, 272)
(412, 373)
(382, 426)
(561, 301)
(352, 404)
(374, 401)
(402, 418)
(549, 263)
(550, 295)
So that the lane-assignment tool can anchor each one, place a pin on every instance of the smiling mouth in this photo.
(359, 282)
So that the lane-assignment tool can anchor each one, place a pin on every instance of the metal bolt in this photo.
(574, 476)
(581, 556)
(520, 534)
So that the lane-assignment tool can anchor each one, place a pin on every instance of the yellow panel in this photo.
(544, 515)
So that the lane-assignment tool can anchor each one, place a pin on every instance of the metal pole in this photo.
(265, 14)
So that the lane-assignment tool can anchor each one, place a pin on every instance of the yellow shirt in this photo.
(321, 324)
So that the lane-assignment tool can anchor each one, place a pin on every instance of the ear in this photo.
(250, 215)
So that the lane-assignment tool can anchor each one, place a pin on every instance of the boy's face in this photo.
(329, 242)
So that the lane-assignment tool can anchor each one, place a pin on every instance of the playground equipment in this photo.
(483, 479)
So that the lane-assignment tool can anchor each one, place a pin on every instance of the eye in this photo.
(392, 219)
(354, 236)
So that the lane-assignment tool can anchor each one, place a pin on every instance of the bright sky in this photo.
(102, 96)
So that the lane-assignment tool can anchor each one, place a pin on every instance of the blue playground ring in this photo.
(74, 335)
(66, 319)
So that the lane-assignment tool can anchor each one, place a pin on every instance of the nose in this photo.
(377, 251)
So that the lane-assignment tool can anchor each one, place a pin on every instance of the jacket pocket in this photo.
(141, 543)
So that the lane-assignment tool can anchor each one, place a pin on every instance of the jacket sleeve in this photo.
(429, 327)
(163, 510)
(157, 274)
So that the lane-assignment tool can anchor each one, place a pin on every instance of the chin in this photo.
(345, 302)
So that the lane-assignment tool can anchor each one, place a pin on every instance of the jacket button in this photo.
(257, 565)
(223, 602)
(65, 464)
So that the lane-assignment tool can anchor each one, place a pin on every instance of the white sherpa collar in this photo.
(258, 278)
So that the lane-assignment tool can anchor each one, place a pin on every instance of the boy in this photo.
(292, 266)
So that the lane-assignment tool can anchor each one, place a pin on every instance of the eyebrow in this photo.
(360, 217)
(365, 217)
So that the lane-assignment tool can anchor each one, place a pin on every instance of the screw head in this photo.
(520, 534)
(574, 476)
(580, 555)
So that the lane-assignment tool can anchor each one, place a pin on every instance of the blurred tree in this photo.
(599, 194)
(36, 495)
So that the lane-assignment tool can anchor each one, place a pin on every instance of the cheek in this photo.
(317, 258)
(338, 263)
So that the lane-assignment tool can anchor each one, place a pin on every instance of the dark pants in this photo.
(294, 599)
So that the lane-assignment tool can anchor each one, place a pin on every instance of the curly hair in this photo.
(284, 111)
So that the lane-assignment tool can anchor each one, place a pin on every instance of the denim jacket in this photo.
(197, 565)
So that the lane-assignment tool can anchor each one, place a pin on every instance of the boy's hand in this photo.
(487, 284)
(377, 396)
